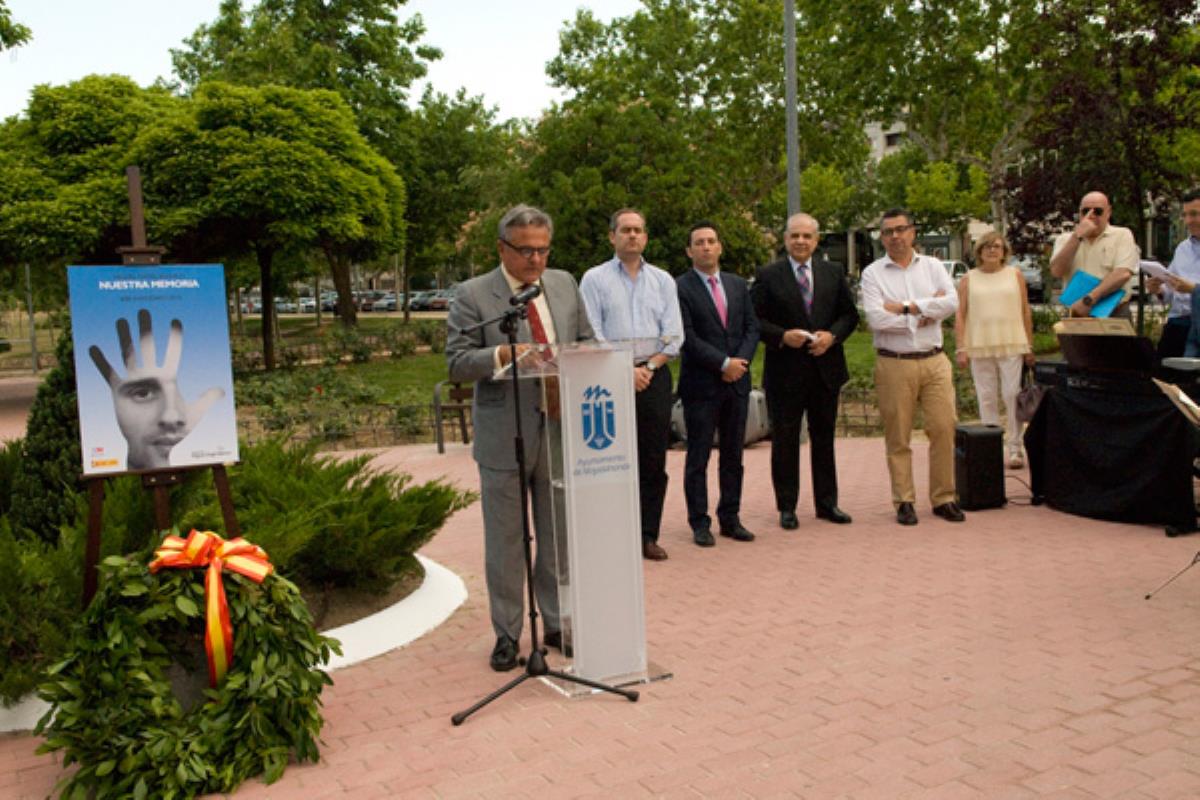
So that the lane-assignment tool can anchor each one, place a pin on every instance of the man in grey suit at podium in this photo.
(556, 316)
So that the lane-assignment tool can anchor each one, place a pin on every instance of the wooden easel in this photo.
(157, 481)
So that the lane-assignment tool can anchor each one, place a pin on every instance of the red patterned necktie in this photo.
(719, 300)
(535, 325)
(538, 330)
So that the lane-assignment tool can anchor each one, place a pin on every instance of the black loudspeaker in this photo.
(979, 466)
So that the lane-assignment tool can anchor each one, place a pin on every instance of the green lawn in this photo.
(410, 377)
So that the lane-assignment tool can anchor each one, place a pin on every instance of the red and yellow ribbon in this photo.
(207, 549)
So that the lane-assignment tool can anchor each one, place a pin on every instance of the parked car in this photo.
(308, 305)
(328, 301)
(955, 269)
(251, 305)
(441, 299)
(1035, 282)
(285, 306)
(420, 301)
(385, 303)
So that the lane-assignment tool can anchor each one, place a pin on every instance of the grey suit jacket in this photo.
(471, 358)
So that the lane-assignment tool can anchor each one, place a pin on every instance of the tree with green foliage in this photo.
(359, 49)
(457, 146)
(677, 109)
(1119, 115)
(268, 170)
(12, 33)
(960, 75)
(62, 184)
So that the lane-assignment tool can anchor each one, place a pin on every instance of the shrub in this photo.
(328, 522)
(40, 591)
(399, 341)
(10, 461)
(47, 477)
(343, 342)
(325, 523)
(432, 332)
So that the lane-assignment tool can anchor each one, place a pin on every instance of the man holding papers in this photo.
(1097, 250)
(1176, 286)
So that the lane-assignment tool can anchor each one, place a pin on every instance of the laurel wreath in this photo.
(114, 711)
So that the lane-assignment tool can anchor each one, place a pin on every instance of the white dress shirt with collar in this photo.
(1185, 264)
(926, 285)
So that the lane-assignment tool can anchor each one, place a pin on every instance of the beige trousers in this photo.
(905, 385)
(999, 379)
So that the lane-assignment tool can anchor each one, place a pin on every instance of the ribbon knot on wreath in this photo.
(207, 549)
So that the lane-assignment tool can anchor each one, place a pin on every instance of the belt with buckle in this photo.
(921, 354)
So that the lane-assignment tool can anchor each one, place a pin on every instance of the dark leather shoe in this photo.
(950, 512)
(834, 514)
(504, 654)
(652, 552)
(554, 639)
(703, 537)
(738, 533)
(788, 521)
(906, 514)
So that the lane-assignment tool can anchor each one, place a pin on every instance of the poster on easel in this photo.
(152, 367)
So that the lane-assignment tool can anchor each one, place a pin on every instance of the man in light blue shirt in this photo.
(627, 298)
(1177, 291)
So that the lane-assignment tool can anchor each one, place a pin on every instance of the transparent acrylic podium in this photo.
(588, 392)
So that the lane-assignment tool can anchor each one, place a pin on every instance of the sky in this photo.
(494, 48)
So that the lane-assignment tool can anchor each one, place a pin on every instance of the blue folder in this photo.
(1080, 284)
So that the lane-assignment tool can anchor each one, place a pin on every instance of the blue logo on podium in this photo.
(599, 418)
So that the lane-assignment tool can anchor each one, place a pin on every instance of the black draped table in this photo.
(1113, 449)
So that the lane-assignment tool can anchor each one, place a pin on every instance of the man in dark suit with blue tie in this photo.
(720, 335)
(805, 311)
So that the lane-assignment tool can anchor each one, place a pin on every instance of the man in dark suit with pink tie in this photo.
(720, 336)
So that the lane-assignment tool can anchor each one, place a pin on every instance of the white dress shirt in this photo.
(924, 284)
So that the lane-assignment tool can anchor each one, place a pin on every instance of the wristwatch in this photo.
(650, 365)
(1087, 300)
(904, 309)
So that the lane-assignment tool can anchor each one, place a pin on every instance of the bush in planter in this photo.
(331, 522)
(113, 709)
(300, 508)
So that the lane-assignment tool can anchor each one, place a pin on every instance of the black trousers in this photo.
(653, 408)
(813, 398)
(1174, 337)
(723, 413)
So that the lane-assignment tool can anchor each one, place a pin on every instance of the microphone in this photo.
(525, 295)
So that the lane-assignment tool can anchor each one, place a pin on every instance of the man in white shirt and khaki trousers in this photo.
(906, 296)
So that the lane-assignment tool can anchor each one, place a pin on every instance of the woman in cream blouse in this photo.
(994, 332)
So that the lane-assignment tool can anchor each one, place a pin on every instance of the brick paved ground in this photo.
(1010, 657)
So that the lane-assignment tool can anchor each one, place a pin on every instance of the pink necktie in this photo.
(718, 299)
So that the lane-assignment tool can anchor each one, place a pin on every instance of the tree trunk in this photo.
(266, 255)
(339, 266)
(317, 294)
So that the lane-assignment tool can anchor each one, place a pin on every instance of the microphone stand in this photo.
(535, 665)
